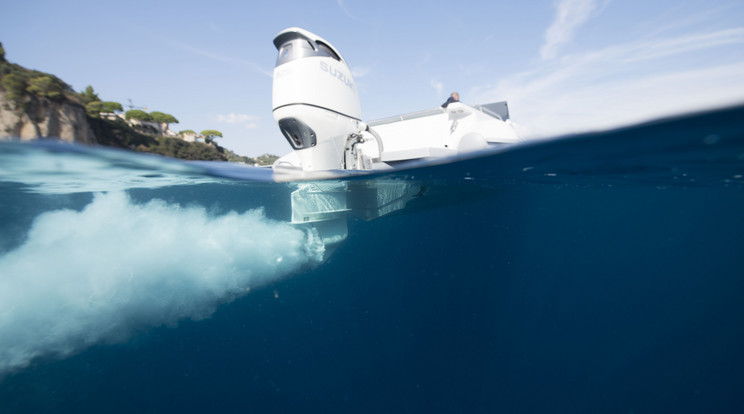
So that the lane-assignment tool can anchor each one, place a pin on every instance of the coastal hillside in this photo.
(36, 105)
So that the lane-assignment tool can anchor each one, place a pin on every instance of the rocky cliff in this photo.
(41, 117)
(38, 105)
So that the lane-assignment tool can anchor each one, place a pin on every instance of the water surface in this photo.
(594, 273)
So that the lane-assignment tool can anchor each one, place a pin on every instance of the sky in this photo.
(563, 66)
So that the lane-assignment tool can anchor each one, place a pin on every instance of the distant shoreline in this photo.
(38, 105)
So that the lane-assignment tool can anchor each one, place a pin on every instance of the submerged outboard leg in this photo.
(322, 207)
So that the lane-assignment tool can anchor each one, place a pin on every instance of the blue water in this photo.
(585, 274)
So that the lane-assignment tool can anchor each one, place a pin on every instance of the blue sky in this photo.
(563, 65)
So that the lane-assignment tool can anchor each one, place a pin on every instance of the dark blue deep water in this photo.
(601, 273)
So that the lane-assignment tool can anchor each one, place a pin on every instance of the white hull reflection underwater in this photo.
(317, 107)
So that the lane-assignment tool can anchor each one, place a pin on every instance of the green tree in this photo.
(111, 107)
(45, 86)
(163, 118)
(267, 159)
(89, 95)
(94, 108)
(211, 134)
(186, 131)
(15, 87)
(2, 52)
(174, 147)
(137, 114)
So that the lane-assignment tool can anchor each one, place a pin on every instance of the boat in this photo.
(316, 105)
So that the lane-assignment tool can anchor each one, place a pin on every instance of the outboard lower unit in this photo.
(315, 99)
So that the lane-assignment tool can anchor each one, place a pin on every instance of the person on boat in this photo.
(454, 97)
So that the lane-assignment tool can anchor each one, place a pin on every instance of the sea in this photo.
(592, 273)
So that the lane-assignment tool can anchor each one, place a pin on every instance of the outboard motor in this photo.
(315, 99)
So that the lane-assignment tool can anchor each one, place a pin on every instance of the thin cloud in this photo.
(569, 16)
(230, 60)
(598, 107)
(683, 44)
(685, 22)
(472, 69)
(249, 121)
(438, 86)
(342, 5)
(360, 71)
(215, 27)
(625, 83)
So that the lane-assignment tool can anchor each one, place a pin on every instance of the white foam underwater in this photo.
(116, 267)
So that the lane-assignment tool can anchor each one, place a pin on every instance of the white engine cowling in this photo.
(315, 99)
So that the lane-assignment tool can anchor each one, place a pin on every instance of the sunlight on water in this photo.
(54, 168)
(116, 267)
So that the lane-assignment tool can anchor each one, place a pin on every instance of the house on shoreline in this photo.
(153, 127)
(191, 136)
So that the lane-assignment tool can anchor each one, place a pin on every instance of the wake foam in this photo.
(101, 274)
